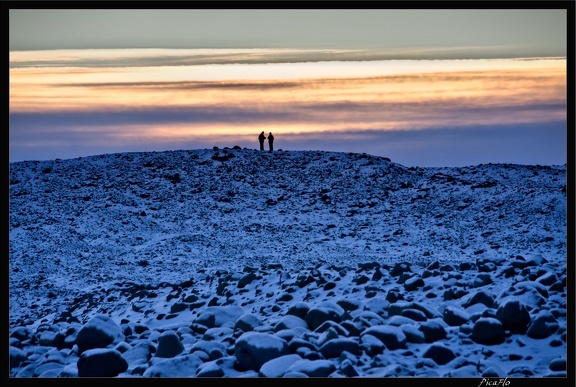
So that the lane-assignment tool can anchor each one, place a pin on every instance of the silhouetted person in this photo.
(261, 138)
(271, 141)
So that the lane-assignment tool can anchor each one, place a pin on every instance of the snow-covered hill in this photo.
(103, 224)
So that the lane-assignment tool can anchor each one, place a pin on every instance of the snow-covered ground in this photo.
(244, 263)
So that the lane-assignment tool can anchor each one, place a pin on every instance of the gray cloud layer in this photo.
(521, 32)
(276, 56)
(305, 112)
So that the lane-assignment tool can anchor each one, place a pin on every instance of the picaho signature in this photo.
(494, 382)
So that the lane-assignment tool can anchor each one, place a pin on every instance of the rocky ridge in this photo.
(439, 260)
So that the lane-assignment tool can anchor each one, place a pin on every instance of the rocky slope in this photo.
(106, 235)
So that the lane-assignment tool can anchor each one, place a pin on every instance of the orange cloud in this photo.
(208, 100)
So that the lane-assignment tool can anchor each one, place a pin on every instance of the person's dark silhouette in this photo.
(271, 141)
(261, 138)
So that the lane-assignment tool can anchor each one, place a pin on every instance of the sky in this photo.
(435, 87)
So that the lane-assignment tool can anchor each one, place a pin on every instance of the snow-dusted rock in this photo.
(543, 325)
(488, 330)
(101, 362)
(513, 315)
(99, 332)
(175, 367)
(169, 345)
(392, 337)
(253, 349)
